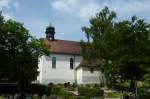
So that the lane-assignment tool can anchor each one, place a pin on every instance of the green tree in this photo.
(123, 46)
(101, 26)
(87, 50)
(132, 53)
(19, 53)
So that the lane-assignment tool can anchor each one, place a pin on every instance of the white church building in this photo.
(65, 63)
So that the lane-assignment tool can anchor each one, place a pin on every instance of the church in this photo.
(65, 63)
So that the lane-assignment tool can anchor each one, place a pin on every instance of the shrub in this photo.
(65, 85)
(55, 90)
(10, 88)
(144, 96)
(39, 89)
(30, 89)
(96, 86)
(88, 85)
(113, 95)
(74, 85)
(79, 97)
(143, 93)
(89, 92)
(65, 94)
(121, 87)
(50, 84)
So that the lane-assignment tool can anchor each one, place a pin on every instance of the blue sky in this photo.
(68, 16)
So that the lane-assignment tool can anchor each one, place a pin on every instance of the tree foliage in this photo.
(132, 54)
(100, 25)
(124, 46)
(19, 53)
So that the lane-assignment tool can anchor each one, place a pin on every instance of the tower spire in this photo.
(50, 32)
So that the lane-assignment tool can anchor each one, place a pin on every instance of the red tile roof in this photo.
(63, 46)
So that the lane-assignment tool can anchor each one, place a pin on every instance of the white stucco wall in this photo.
(78, 60)
(85, 76)
(79, 75)
(62, 73)
(91, 77)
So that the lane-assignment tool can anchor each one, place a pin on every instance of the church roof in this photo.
(90, 63)
(63, 46)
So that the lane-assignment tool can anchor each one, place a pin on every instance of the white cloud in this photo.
(62, 5)
(8, 16)
(5, 7)
(5, 3)
(75, 7)
(87, 8)
(130, 6)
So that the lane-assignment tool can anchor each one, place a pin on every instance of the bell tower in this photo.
(50, 32)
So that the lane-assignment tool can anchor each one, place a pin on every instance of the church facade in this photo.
(65, 63)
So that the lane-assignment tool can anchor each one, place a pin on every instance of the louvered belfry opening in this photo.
(50, 32)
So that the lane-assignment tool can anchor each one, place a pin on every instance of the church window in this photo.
(53, 62)
(91, 70)
(71, 63)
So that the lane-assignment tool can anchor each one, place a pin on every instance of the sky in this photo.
(68, 16)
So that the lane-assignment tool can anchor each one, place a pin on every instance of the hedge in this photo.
(39, 89)
(90, 92)
(30, 89)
